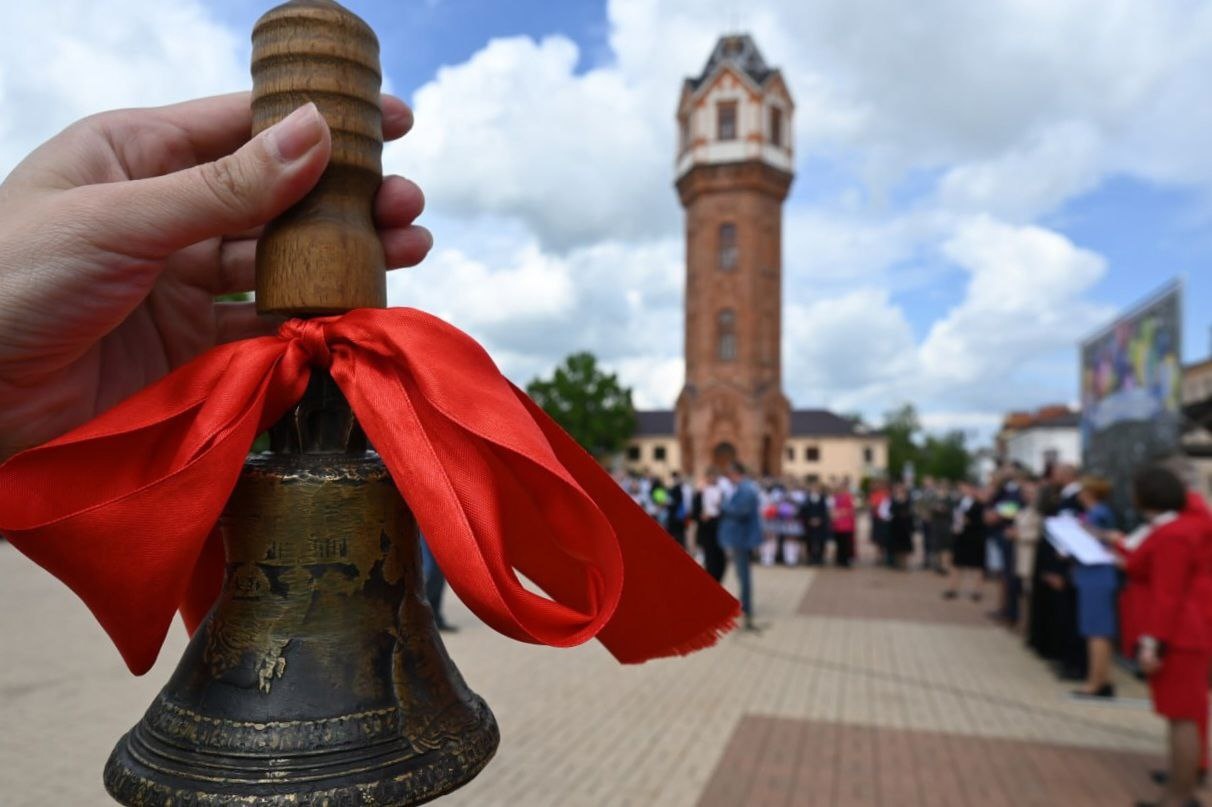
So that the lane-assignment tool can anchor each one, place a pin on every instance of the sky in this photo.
(978, 185)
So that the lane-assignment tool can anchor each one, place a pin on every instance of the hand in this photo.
(1148, 660)
(1054, 580)
(117, 235)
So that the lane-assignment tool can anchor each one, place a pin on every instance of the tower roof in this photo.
(740, 51)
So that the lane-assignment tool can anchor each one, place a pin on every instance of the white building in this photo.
(1197, 407)
(1042, 439)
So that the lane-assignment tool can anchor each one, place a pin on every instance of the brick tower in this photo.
(734, 169)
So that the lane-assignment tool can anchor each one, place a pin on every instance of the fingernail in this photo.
(296, 134)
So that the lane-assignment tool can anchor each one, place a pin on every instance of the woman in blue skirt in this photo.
(1096, 586)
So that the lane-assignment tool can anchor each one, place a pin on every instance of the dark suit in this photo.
(814, 515)
(741, 533)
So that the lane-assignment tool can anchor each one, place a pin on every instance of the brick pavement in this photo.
(875, 593)
(781, 762)
(844, 689)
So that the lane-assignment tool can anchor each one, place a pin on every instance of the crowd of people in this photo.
(733, 518)
(1151, 590)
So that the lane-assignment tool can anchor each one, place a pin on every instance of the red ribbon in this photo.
(122, 508)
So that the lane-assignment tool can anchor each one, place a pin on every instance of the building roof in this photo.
(740, 51)
(654, 423)
(823, 423)
(804, 423)
(1198, 367)
(1069, 420)
(1057, 416)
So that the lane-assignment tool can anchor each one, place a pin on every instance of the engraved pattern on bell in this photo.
(319, 677)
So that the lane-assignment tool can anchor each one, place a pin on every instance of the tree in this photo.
(588, 403)
(944, 457)
(902, 427)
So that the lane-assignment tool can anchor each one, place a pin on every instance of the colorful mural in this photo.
(1132, 391)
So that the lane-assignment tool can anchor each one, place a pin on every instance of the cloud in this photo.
(933, 138)
(1024, 300)
(516, 132)
(532, 308)
(850, 351)
(65, 60)
(1030, 179)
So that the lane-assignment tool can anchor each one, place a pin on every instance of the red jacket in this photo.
(843, 512)
(1173, 572)
(1197, 510)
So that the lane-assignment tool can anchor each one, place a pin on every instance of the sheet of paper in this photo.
(1070, 538)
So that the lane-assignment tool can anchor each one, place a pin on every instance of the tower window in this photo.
(812, 454)
(776, 126)
(658, 453)
(633, 453)
(727, 247)
(684, 130)
(726, 329)
(868, 455)
(725, 120)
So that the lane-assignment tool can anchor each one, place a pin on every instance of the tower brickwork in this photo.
(734, 172)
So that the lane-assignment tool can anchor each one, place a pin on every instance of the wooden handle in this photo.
(323, 256)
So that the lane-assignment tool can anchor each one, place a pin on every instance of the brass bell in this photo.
(318, 677)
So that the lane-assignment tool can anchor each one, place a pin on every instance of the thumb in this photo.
(152, 218)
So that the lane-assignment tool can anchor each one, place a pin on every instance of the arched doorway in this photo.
(723, 455)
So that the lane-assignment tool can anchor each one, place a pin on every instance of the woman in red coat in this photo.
(1172, 575)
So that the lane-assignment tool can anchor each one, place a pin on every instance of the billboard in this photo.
(1132, 392)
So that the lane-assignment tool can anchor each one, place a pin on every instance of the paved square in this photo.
(875, 593)
(780, 762)
(846, 690)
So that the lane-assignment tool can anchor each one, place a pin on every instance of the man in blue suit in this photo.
(741, 533)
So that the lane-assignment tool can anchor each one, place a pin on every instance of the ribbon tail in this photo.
(498, 486)
(120, 509)
(204, 582)
(680, 606)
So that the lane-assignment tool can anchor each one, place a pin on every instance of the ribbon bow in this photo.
(122, 509)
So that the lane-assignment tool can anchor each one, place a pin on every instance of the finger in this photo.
(398, 203)
(216, 126)
(397, 117)
(237, 267)
(235, 321)
(406, 247)
(252, 233)
(152, 218)
(210, 127)
(160, 140)
(402, 246)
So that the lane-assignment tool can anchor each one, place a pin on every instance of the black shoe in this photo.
(977, 596)
(1105, 691)
(950, 594)
(1161, 777)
